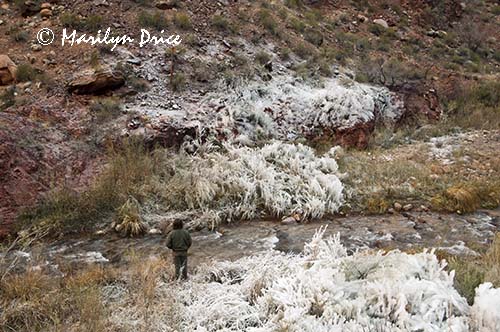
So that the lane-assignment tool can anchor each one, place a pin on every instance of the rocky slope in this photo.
(246, 72)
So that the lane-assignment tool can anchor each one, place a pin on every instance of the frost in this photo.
(486, 308)
(244, 182)
(323, 289)
(287, 107)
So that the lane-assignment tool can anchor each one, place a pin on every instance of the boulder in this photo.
(8, 70)
(167, 4)
(96, 81)
(45, 12)
(29, 7)
(381, 22)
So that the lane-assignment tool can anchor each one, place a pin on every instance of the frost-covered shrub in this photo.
(323, 289)
(244, 182)
(287, 107)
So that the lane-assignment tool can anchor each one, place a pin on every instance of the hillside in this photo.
(384, 114)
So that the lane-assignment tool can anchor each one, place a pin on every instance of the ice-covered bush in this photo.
(243, 182)
(323, 289)
(287, 107)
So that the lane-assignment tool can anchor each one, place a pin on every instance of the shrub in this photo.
(92, 23)
(64, 211)
(89, 23)
(376, 29)
(294, 3)
(313, 36)
(222, 24)
(7, 98)
(106, 109)
(297, 24)
(267, 20)
(178, 82)
(302, 50)
(156, 20)
(18, 35)
(70, 20)
(262, 57)
(26, 72)
(182, 21)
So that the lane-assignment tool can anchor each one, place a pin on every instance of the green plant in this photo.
(156, 20)
(106, 109)
(18, 35)
(7, 98)
(26, 72)
(297, 24)
(70, 20)
(313, 36)
(63, 211)
(262, 57)
(182, 21)
(267, 20)
(223, 24)
(178, 82)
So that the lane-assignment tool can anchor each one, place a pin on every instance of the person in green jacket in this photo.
(179, 240)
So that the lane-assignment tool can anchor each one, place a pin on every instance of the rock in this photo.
(432, 33)
(154, 231)
(407, 207)
(29, 8)
(362, 18)
(169, 134)
(1, 22)
(391, 211)
(36, 47)
(134, 61)
(163, 5)
(96, 81)
(46, 12)
(8, 70)
(381, 22)
(397, 206)
(46, 5)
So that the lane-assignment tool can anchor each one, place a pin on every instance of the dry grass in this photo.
(38, 301)
(471, 272)
(65, 211)
(407, 174)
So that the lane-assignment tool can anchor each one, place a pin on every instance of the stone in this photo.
(397, 206)
(407, 207)
(362, 18)
(46, 12)
(8, 70)
(432, 33)
(36, 47)
(29, 8)
(163, 5)
(96, 81)
(381, 22)
(46, 5)
(1, 22)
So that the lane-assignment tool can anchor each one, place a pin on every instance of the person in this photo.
(179, 240)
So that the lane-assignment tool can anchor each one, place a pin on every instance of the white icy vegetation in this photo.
(323, 289)
(241, 182)
(287, 107)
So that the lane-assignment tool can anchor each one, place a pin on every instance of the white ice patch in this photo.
(87, 257)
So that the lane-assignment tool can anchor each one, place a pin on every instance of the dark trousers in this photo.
(180, 262)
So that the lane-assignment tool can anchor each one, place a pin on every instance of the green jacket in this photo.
(179, 241)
